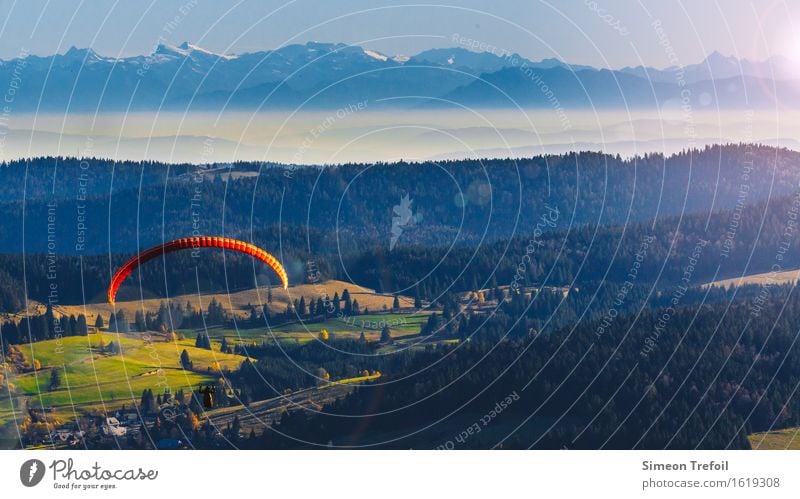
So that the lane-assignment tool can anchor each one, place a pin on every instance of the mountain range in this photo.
(334, 75)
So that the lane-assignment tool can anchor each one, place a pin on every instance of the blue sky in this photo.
(606, 33)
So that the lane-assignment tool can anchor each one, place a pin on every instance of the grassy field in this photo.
(237, 303)
(767, 278)
(399, 324)
(92, 379)
(350, 381)
(95, 379)
(788, 439)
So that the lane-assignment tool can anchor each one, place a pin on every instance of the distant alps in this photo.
(329, 75)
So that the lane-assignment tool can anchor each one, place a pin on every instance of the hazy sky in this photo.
(607, 33)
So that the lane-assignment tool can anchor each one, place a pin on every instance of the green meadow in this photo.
(399, 324)
(94, 379)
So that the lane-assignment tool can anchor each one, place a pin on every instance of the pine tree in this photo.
(64, 325)
(112, 348)
(396, 303)
(40, 328)
(386, 335)
(432, 325)
(49, 321)
(117, 322)
(186, 362)
(180, 397)
(235, 428)
(216, 313)
(55, 378)
(320, 306)
(202, 341)
(147, 403)
(141, 324)
(348, 304)
(162, 318)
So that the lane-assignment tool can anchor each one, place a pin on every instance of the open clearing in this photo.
(400, 325)
(238, 302)
(91, 379)
(767, 278)
(788, 439)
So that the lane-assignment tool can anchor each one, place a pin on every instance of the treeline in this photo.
(33, 179)
(464, 201)
(705, 377)
(40, 327)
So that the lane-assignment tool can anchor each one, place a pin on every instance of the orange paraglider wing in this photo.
(192, 243)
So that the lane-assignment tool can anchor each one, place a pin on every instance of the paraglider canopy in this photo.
(193, 243)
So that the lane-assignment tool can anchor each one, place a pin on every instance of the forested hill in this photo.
(755, 239)
(708, 379)
(762, 237)
(100, 207)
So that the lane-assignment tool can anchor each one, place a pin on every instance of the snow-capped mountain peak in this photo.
(187, 49)
(376, 55)
(195, 49)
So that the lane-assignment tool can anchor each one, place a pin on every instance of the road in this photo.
(264, 412)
